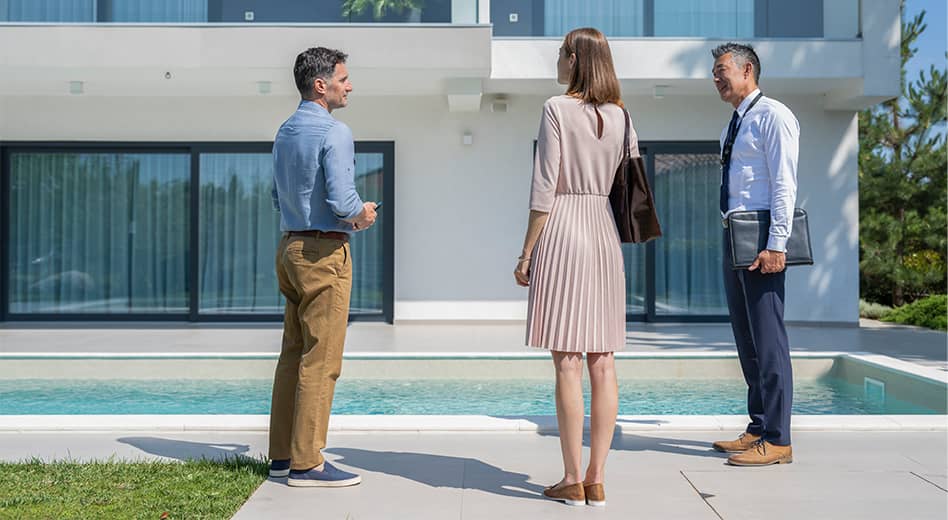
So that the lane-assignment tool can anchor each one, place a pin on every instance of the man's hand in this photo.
(769, 262)
(365, 219)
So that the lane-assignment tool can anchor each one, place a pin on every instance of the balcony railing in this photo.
(740, 19)
(737, 19)
(231, 11)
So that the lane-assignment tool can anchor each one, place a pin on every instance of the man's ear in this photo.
(319, 86)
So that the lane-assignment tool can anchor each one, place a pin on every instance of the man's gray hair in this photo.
(741, 54)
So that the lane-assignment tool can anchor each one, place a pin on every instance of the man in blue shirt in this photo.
(314, 191)
(759, 152)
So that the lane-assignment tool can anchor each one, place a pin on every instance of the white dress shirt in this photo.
(763, 172)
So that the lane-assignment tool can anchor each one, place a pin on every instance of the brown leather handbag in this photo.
(632, 204)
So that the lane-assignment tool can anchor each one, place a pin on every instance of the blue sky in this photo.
(933, 42)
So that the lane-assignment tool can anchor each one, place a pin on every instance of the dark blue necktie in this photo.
(726, 161)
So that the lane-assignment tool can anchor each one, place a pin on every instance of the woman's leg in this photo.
(605, 405)
(569, 412)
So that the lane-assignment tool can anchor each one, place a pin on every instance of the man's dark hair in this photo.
(741, 54)
(315, 62)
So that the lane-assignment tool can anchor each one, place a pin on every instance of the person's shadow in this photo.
(631, 442)
(431, 470)
(189, 450)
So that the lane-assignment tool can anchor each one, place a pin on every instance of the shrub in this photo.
(931, 312)
(873, 311)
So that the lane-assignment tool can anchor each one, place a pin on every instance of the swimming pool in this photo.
(425, 397)
(380, 384)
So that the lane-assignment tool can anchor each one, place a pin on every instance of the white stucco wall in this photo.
(460, 211)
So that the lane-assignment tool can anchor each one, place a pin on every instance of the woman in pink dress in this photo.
(572, 260)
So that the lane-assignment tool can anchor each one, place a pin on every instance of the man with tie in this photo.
(759, 150)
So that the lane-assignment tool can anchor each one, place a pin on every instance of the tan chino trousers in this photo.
(315, 277)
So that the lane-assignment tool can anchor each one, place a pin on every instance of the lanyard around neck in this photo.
(729, 143)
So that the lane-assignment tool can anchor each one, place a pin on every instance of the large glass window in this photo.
(367, 246)
(612, 17)
(634, 255)
(156, 11)
(105, 233)
(688, 276)
(98, 232)
(705, 18)
(47, 11)
(635, 277)
(239, 231)
(660, 18)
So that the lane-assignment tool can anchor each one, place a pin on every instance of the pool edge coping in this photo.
(453, 423)
(882, 361)
(688, 354)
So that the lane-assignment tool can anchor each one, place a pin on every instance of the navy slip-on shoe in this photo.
(330, 476)
(279, 468)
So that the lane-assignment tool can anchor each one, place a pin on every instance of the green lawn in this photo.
(115, 489)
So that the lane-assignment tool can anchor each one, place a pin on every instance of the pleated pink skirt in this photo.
(577, 279)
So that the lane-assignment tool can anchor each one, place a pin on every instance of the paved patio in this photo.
(661, 475)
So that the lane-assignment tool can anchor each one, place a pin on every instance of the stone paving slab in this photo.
(478, 475)
(777, 494)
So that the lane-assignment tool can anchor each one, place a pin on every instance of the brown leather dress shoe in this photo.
(743, 443)
(762, 453)
(571, 495)
(595, 494)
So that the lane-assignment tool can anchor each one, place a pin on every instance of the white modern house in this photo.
(135, 141)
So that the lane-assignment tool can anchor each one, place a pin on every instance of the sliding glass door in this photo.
(677, 277)
(116, 232)
(688, 278)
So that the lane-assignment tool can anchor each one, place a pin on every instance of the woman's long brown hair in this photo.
(593, 77)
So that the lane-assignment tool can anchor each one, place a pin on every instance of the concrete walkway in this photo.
(913, 344)
(660, 475)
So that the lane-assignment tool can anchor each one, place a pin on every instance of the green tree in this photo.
(902, 186)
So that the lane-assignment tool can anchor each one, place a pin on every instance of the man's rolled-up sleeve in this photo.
(782, 148)
(339, 167)
(275, 196)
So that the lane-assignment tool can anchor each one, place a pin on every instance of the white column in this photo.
(881, 47)
(483, 11)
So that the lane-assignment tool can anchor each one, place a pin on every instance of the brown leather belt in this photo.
(315, 233)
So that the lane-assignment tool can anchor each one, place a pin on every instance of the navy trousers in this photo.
(755, 303)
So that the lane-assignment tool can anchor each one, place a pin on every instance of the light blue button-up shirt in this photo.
(763, 171)
(314, 172)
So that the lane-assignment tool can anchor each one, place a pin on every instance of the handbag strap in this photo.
(626, 155)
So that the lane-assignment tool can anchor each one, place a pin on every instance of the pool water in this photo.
(423, 397)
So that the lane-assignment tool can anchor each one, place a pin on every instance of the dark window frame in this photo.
(650, 149)
(194, 149)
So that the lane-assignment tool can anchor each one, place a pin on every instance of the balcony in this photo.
(234, 47)
(846, 51)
